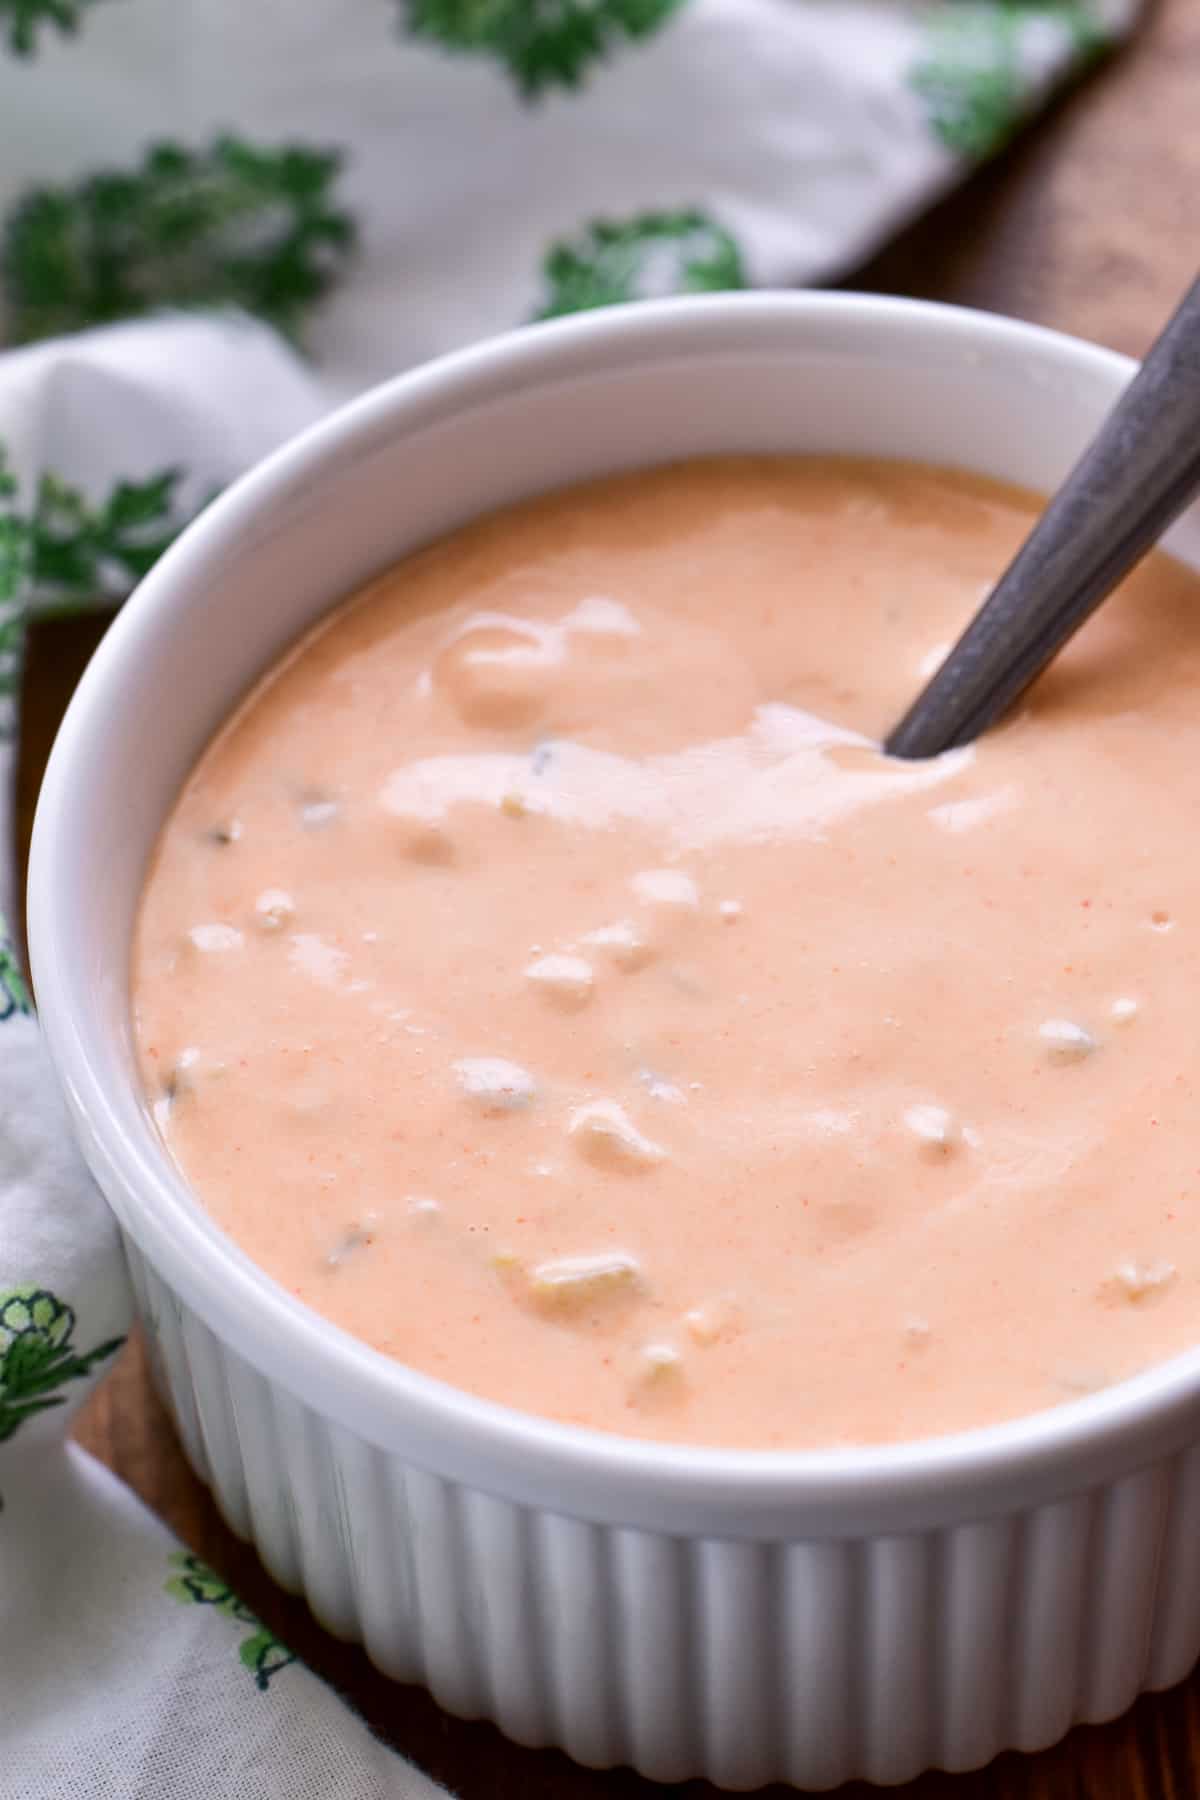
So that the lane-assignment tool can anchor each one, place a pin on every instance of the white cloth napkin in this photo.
(379, 180)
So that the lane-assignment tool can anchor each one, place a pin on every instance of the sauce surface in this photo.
(545, 977)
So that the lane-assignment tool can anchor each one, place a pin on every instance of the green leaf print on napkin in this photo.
(100, 553)
(971, 74)
(21, 19)
(197, 1585)
(230, 225)
(65, 557)
(643, 258)
(16, 557)
(14, 995)
(542, 43)
(37, 1356)
(14, 539)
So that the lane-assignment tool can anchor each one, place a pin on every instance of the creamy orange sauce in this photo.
(545, 977)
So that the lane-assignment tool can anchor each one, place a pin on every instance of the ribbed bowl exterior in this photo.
(811, 1662)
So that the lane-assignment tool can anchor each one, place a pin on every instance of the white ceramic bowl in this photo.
(804, 1617)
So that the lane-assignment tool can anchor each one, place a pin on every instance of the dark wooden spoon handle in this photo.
(1133, 480)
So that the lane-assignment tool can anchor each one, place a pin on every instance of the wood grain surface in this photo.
(1088, 224)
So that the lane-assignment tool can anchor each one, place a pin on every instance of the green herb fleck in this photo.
(230, 225)
(971, 75)
(542, 43)
(23, 18)
(641, 258)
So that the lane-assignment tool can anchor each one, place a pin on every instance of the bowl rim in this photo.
(587, 1471)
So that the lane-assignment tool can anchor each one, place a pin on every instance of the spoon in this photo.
(1136, 476)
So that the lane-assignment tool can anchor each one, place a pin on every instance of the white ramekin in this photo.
(804, 1617)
